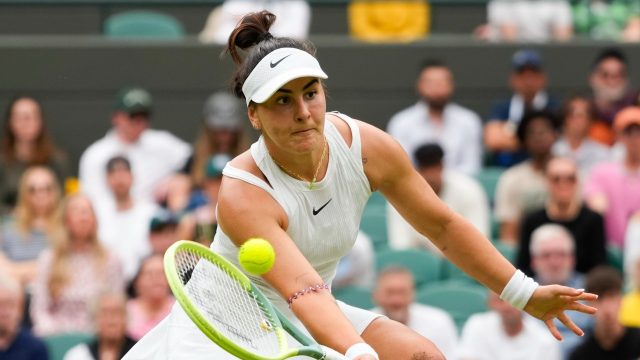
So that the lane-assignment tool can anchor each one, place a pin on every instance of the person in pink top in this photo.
(152, 301)
(613, 188)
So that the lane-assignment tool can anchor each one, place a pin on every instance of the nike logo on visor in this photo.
(316, 212)
(274, 64)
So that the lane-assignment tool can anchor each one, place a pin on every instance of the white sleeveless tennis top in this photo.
(323, 222)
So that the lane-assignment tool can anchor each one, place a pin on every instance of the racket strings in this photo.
(225, 303)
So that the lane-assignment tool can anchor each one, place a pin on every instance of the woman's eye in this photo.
(282, 101)
(311, 94)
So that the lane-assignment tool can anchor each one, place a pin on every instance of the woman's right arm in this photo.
(246, 211)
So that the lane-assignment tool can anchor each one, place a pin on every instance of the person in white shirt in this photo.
(394, 295)
(460, 192)
(111, 341)
(528, 20)
(154, 154)
(224, 18)
(435, 118)
(505, 333)
(123, 223)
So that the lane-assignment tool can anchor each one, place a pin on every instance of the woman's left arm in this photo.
(390, 171)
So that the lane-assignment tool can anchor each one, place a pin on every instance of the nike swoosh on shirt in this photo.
(274, 64)
(316, 212)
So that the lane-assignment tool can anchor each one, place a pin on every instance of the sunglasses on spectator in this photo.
(549, 254)
(43, 188)
(557, 178)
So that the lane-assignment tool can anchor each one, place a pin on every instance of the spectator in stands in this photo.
(578, 113)
(201, 223)
(26, 142)
(394, 295)
(607, 19)
(611, 91)
(506, 333)
(630, 309)
(460, 192)
(29, 231)
(163, 231)
(565, 207)
(16, 342)
(124, 221)
(609, 339)
(73, 273)
(436, 118)
(224, 18)
(111, 341)
(357, 268)
(612, 188)
(522, 188)
(154, 154)
(527, 21)
(553, 261)
(528, 82)
(632, 248)
(152, 299)
(223, 133)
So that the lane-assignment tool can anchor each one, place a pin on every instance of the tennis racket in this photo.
(227, 307)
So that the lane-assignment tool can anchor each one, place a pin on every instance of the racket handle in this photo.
(332, 354)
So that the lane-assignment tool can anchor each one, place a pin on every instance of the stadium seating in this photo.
(425, 267)
(459, 299)
(488, 178)
(355, 296)
(374, 221)
(143, 24)
(58, 345)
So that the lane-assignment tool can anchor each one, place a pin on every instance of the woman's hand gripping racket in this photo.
(230, 310)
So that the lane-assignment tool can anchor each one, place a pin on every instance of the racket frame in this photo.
(279, 322)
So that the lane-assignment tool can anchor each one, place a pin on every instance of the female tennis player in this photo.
(303, 186)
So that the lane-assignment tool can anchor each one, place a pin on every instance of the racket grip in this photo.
(332, 354)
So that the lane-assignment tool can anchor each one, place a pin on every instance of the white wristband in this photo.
(358, 349)
(519, 290)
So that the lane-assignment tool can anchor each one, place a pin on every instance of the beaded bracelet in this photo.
(314, 288)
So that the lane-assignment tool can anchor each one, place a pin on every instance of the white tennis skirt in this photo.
(178, 338)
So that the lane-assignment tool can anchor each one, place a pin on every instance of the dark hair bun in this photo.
(252, 29)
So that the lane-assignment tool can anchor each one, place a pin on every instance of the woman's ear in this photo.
(252, 112)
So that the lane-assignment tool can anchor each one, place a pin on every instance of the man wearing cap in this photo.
(613, 188)
(154, 154)
(223, 133)
(528, 82)
(435, 118)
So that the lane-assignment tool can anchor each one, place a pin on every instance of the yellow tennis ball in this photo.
(256, 256)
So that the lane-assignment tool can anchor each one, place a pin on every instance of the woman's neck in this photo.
(563, 210)
(574, 140)
(152, 306)
(24, 150)
(310, 167)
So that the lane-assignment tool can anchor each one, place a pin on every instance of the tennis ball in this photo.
(256, 256)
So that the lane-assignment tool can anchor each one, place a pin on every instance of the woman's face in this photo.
(577, 120)
(80, 219)
(293, 117)
(41, 192)
(151, 283)
(26, 120)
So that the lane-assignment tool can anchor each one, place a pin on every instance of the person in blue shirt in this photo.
(528, 82)
(16, 343)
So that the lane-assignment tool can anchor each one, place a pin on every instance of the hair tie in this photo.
(264, 36)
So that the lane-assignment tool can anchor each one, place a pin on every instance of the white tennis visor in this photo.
(278, 68)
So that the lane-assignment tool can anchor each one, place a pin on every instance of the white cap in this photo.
(278, 68)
